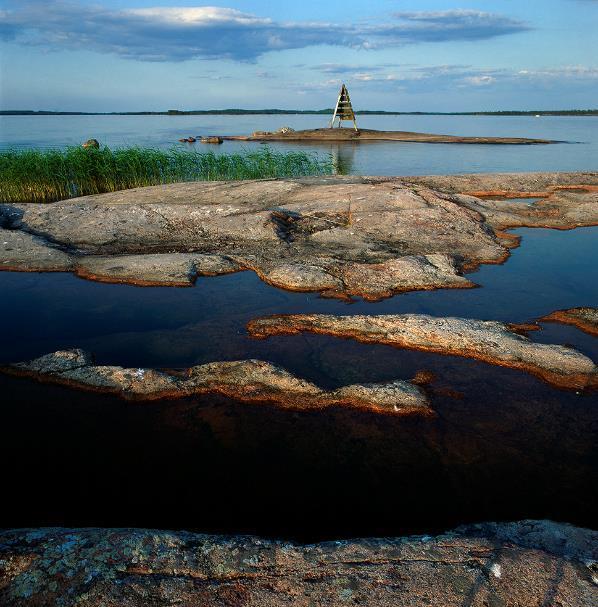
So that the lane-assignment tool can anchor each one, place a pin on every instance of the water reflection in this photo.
(343, 157)
(136, 326)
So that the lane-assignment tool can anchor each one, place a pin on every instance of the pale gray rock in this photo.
(363, 236)
(24, 252)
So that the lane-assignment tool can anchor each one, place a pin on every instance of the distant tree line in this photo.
(327, 111)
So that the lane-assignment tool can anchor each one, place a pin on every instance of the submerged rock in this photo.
(363, 236)
(246, 380)
(521, 564)
(585, 319)
(492, 342)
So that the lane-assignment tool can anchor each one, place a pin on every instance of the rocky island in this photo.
(585, 319)
(368, 135)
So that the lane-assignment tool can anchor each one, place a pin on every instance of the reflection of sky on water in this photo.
(166, 326)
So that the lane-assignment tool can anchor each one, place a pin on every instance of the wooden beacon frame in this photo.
(343, 109)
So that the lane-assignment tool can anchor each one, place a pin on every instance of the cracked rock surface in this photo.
(527, 563)
(490, 341)
(364, 236)
(246, 380)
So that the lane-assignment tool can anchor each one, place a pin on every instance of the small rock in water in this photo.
(91, 143)
(211, 139)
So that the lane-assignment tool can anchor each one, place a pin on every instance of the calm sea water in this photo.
(375, 158)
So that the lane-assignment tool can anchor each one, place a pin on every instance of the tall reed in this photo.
(50, 175)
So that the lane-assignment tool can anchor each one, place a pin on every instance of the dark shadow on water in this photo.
(508, 448)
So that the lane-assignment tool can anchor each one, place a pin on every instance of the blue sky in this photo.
(127, 55)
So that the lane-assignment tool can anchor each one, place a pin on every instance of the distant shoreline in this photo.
(328, 111)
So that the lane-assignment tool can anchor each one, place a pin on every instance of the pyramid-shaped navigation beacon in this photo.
(343, 109)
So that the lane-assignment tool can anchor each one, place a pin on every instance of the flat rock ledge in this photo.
(371, 237)
(585, 319)
(521, 564)
(247, 381)
(489, 341)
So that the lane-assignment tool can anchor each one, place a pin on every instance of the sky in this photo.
(404, 55)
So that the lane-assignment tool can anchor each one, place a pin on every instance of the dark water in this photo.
(158, 326)
(375, 158)
(503, 446)
(509, 448)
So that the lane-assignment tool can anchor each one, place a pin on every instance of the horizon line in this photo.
(175, 112)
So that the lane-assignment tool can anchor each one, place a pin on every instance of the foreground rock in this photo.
(246, 380)
(489, 341)
(352, 236)
(585, 319)
(350, 134)
(524, 564)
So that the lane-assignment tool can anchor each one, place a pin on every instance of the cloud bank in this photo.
(207, 32)
(449, 77)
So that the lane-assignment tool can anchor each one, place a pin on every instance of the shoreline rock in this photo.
(246, 380)
(343, 237)
(585, 319)
(520, 563)
(489, 341)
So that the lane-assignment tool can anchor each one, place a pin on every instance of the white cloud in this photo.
(479, 80)
(181, 33)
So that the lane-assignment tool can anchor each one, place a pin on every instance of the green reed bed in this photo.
(50, 175)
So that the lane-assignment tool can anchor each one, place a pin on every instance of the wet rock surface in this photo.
(489, 341)
(247, 381)
(369, 237)
(585, 319)
(528, 563)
